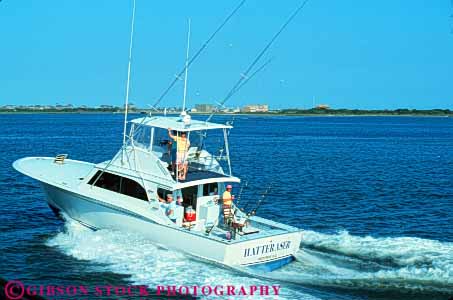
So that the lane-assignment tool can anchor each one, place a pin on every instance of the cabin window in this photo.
(161, 138)
(142, 136)
(131, 188)
(106, 181)
(119, 184)
(210, 189)
(189, 194)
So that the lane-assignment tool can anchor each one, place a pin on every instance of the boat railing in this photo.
(200, 166)
(159, 141)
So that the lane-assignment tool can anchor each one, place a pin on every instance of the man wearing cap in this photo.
(182, 147)
(227, 199)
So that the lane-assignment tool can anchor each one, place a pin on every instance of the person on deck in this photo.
(170, 207)
(227, 200)
(182, 147)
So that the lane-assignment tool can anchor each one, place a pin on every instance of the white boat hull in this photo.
(266, 253)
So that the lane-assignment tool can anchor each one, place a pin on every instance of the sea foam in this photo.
(151, 264)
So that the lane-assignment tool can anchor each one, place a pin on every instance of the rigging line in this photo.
(253, 74)
(198, 53)
(263, 51)
(245, 82)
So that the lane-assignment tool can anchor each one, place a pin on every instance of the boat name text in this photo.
(269, 248)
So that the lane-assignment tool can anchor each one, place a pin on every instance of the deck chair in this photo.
(228, 214)
(59, 159)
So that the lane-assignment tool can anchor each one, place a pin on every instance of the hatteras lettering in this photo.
(269, 248)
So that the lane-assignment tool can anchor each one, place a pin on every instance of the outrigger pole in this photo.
(198, 53)
(244, 76)
(126, 104)
(187, 69)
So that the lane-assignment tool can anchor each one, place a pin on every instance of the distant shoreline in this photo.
(313, 112)
(329, 113)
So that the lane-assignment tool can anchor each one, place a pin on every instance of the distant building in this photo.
(252, 108)
(35, 107)
(9, 107)
(130, 106)
(322, 106)
(230, 110)
(64, 106)
(207, 108)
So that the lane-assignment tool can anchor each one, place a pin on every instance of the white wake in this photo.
(149, 264)
(339, 260)
(346, 261)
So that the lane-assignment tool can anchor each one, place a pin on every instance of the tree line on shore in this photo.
(287, 111)
(386, 112)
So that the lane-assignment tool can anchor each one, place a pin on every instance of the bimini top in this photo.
(176, 123)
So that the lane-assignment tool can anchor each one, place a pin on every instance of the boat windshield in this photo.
(207, 150)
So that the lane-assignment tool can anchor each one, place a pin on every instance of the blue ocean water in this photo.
(374, 196)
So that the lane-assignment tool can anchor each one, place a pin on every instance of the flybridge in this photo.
(149, 138)
(177, 123)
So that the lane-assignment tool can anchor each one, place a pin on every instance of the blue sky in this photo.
(351, 54)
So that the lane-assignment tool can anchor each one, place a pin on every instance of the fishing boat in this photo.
(124, 192)
(128, 192)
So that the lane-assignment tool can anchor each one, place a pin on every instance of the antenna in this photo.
(187, 68)
(126, 104)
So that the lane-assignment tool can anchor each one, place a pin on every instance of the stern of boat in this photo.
(266, 253)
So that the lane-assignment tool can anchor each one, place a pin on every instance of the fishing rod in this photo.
(258, 204)
(240, 192)
(203, 47)
(244, 75)
(245, 207)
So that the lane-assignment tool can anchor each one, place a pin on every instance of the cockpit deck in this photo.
(258, 228)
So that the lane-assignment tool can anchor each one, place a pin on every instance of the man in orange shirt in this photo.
(227, 199)
(182, 147)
